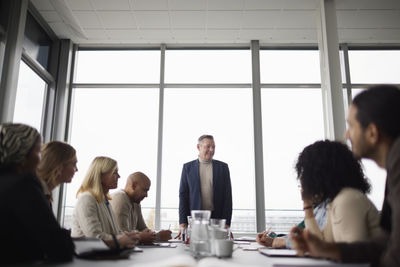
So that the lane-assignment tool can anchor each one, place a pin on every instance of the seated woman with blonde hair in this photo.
(57, 166)
(93, 216)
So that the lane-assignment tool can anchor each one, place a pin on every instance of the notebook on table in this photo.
(271, 252)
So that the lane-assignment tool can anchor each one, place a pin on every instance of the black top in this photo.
(28, 228)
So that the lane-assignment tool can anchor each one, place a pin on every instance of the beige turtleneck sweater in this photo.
(206, 184)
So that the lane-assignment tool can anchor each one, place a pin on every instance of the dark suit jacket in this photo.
(28, 229)
(384, 251)
(190, 191)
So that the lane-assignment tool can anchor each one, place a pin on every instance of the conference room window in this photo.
(118, 66)
(120, 122)
(30, 99)
(374, 66)
(202, 105)
(292, 118)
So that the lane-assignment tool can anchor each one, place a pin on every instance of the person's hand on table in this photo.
(265, 239)
(128, 239)
(147, 236)
(164, 235)
(305, 242)
(181, 226)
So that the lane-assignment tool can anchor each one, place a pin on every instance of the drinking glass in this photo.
(199, 236)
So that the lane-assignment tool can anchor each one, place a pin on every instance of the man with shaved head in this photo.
(126, 206)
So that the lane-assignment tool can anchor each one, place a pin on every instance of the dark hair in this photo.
(380, 105)
(326, 167)
(205, 136)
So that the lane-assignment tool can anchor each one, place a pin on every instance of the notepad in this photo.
(245, 238)
(271, 252)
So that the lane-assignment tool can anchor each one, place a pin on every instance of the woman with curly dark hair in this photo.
(328, 172)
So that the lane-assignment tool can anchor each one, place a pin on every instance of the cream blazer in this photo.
(351, 217)
(93, 219)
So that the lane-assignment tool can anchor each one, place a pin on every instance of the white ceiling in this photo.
(216, 21)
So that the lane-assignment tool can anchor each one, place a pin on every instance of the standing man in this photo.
(126, 206)
(374, 132)
(205, 185)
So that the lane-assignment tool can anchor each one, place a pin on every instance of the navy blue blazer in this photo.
(190, 191)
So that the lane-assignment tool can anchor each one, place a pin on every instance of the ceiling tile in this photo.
(224, 19)
(95, 33)
(368, 19)
(280, 4)
(117, 19)
(149, 4)
(260, 19)
(370, 35)
(297, 19)
(79, 4)
(42, 5)
(367, 4)
(152, 19)
(294, 35)
(223, 34)
(254, 34)
(51, 16)
(387, 35)
(187, 4)
(87, 19)
(188, 19)
(188, 34)
(225, 5)
(123, 34)
(111, 5)
(156, 34)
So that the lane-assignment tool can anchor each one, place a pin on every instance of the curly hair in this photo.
(326, 167)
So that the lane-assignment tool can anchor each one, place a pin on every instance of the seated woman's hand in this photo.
(128, 239)
(264, 239)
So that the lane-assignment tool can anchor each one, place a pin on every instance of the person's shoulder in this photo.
(119, 197)
(10, 180)
(348, 196)
(218, 162)
(86, 197)
(118, 194)
(190, 163)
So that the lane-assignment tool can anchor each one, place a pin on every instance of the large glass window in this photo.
(207, 66)
(227, 115)
(289, 66)
(142, 66)
(292, 119)
(374, 66)
(30, 98)
(121, 124)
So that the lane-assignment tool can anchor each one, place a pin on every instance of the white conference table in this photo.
(180, 256)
